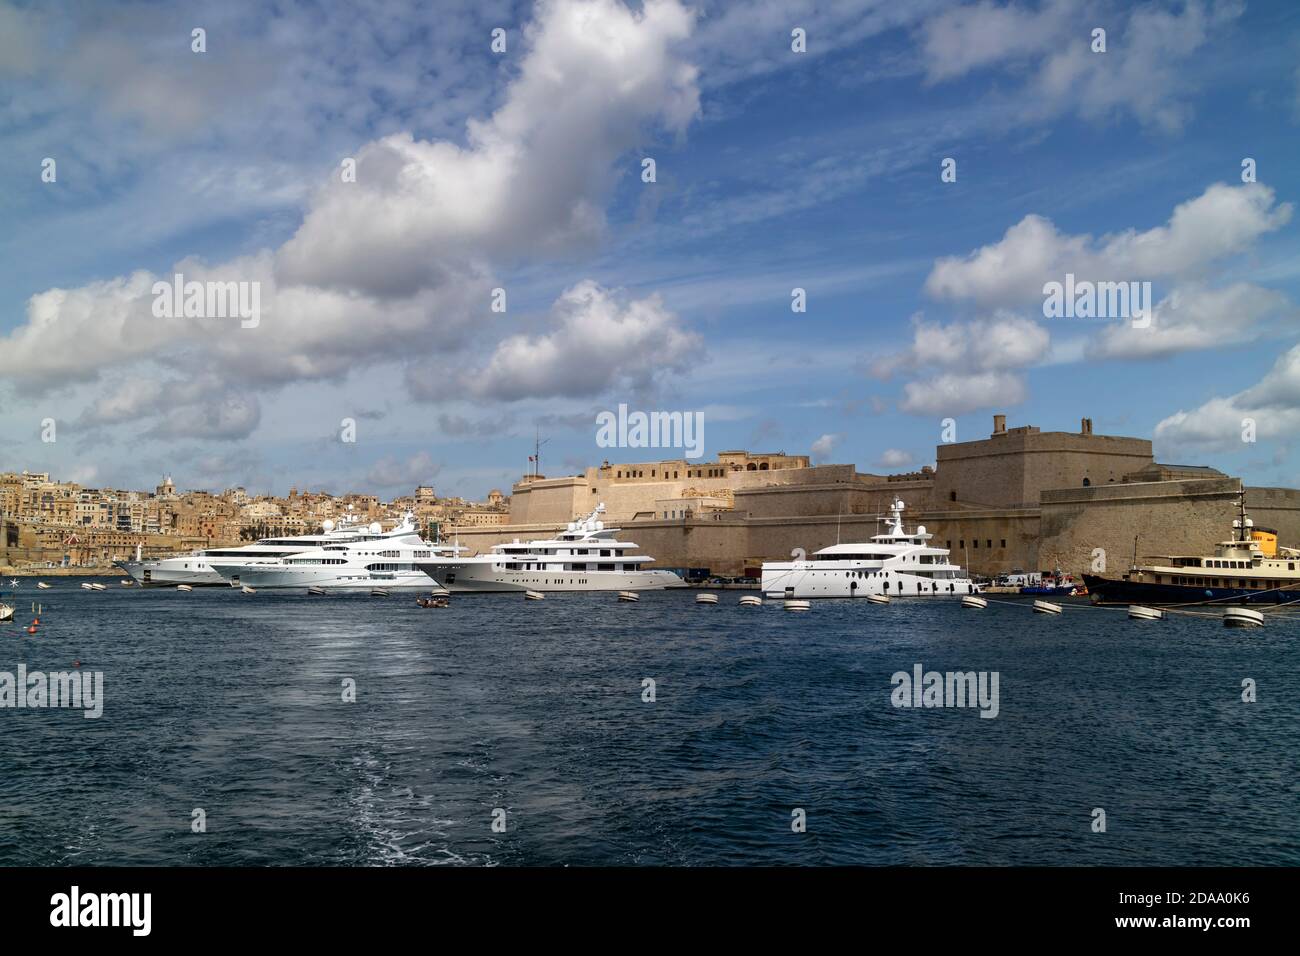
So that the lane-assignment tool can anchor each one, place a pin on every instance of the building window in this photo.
(1003, 544)
(1086, 482)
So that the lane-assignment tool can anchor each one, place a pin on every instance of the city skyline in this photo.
(478, 170)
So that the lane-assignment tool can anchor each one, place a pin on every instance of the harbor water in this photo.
(233, 705)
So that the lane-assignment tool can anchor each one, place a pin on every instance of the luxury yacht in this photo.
(894, 562)
(371, 559)
(1249, 569)
(196, 569)
(585, 557)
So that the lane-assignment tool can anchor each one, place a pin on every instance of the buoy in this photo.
(87, 586)
(750, 600)
(1139, 613)
(1046, 607)
(378, 592)
(42, 585)
(127, 583)
(628, 596)
(247, 590)
(706, 599)
(534, 596)
(877, 598)
(1242, 617)
(975, 601)
(184, 587)
(316, 591)
(798, 605)
(32, 629)
(440, 592)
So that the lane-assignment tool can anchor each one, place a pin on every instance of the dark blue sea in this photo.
(233, 703)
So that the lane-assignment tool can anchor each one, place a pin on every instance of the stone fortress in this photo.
(1020, 498)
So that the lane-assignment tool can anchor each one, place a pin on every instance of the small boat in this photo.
(247, 590)
(706, 599)
(378, 592)
(42, 585)
(184, 587)
(877, 598)
(432, 602)
(1242, 617)
(1046, 607)
(975, 601)
(798, 605)
(1138, 612)
(534, 596)
(318, 592)
(751, 600)
(6, 612)
(628, 596)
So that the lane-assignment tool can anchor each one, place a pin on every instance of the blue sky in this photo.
(522, 171)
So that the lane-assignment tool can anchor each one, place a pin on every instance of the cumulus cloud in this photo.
(1194, 317)
(894, 458)
(532, 178)
(821, 449)
(398, 265)
(1221, 222)
(1271, 407)
(599, 341)
(965, 365)
(1145, 70)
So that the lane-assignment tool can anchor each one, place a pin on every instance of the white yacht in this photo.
(585, 557)
(195, 569)
(893, 563)
(370, 559)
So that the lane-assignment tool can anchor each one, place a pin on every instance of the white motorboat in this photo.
(372, 559)
(585, 557)
(198, 569)
(894, 563)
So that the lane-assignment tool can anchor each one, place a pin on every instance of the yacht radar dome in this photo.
(327, 526)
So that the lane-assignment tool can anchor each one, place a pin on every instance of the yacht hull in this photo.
(170, 572)
(1111, 591)
(484, 578)
(797, 580)
(309, 577)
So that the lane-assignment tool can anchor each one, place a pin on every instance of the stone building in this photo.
(1020, 498)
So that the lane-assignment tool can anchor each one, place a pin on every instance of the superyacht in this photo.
(372, 559)
(195, 569)
(584, 557)
(894, 563)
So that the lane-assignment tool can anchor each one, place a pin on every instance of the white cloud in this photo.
(821, 448)
(1193, 317)
(1147, 69)
(599, 341)
(1272, 404)
(533, 177)
(895, 458)
(975, 363)
(955, 393)
(399, 264)
(1223, 221)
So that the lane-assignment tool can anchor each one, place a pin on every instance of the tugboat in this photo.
(1059, 583)
(1239, 571)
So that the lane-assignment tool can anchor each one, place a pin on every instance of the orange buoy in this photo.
(32, 629)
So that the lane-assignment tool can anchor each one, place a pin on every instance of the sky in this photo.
(922, 171)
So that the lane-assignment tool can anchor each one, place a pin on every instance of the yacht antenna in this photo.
(1241, 502)
(538, 442)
